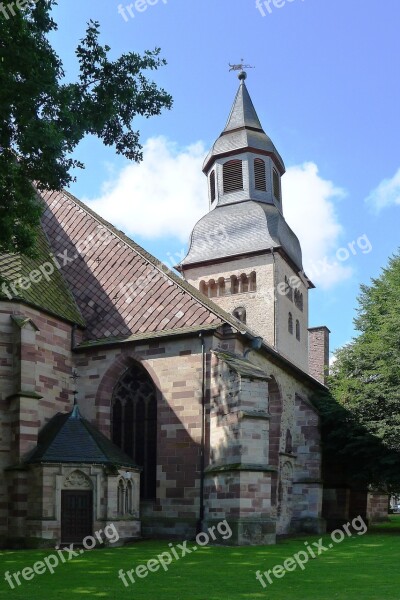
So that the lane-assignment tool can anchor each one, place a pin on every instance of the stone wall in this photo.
(318, 357)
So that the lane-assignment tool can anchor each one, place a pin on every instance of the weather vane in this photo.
(240, 67)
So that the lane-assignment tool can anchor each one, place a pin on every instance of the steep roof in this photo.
(46, 289)
(121, 289)
(69, 438)
(243, 113)
(247, 227)
(243, 131)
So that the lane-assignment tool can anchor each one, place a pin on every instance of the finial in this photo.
(240, 67)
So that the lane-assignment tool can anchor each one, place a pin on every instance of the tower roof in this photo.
(70, 438)
(239, 229)
(243, 131)
(243, 113)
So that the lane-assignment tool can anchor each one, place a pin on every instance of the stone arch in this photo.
(134, 423)
(108, 382)
(275, 403)
(77, 480)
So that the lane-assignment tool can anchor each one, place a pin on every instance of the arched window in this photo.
(203, 288)
(212, 288)
(134, 424)
(129, 497)
(253, 281)
(259, 175)
(244, 283)
(234, 284)
(221, 286)
(240, 314)
(212, 186)
(276, 185)
(121, 497)
(298, 299)
(290, 323)
(233, 176)
(297, 330)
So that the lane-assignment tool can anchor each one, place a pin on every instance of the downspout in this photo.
(203, 435)
(275, 300)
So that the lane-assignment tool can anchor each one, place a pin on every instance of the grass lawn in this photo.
(364, 567)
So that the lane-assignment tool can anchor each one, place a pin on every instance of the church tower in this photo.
(242, 253)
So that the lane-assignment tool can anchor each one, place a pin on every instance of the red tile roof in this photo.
(119, 287)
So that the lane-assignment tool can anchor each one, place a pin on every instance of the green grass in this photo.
(364, 567)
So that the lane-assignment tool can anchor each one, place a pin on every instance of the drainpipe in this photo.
(275, 291)
(203, 434)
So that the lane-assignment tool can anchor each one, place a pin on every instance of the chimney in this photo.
(318, 353)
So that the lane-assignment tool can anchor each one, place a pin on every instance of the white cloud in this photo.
(386, 194)
(160, 197)
(309, 208)
(166, 194)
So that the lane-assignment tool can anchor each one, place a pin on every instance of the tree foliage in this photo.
(361, 417)
(43, 118)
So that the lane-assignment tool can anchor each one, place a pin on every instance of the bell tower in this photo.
(242, 253)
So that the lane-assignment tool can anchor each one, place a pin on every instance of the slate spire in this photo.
(243, 113)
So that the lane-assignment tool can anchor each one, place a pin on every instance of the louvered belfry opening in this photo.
(134, 424)
(233, 176)
(212, 186)
(260, 175)
(276, 185)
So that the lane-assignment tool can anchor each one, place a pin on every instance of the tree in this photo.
(44, 119)
(361, 418)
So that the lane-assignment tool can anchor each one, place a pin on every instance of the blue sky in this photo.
(327, 91)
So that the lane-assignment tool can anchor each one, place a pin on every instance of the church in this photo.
(164, 402)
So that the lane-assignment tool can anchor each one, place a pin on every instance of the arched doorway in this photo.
(134, 424)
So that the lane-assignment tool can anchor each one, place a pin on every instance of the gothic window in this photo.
(121, 498)
(240, 314)
(259, 175)
(234, 284)
(298, 299)
(244, 283)
(212, 186)
(221, 286)
(276, 185)
(297, 330)
(290, 323)
(233, 176)
(129, 497)
(134, 425)
(253, 281)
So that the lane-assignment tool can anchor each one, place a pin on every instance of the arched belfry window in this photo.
(233, 176)
(297, 330)
(134, 424)
(259, 175)
(212, 186)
